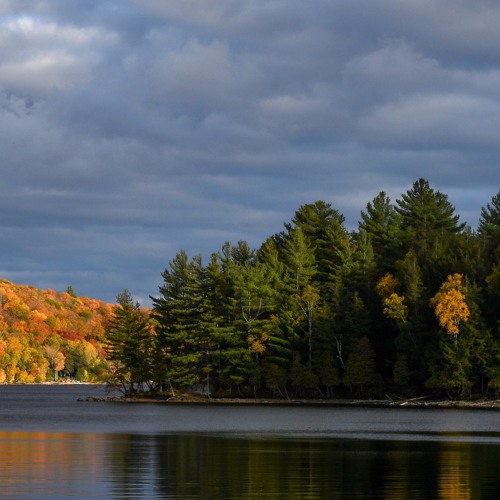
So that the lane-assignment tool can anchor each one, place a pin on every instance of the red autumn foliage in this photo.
(35, 322)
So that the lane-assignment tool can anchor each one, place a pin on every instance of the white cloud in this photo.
(395, 68)
(40, 56)
(435, 121)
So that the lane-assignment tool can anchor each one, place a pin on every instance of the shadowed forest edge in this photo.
(406, 306)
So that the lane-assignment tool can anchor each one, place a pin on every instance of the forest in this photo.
(48, 336)
(407, 304)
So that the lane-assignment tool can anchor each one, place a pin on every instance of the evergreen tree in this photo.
(426, 212)
(491, 311)
(360, 366)
(130, 345)
(489, 222)
(381, 224)
(179, 311)
(409, 274)
(277, 356)
(242, 254)
(255, 312)
(429, 227)
(217, 318)
(299, 260)
(489, 230)
(323, 228)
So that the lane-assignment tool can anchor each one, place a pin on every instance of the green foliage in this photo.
(54, 303)
(489, 222)
(380, 222)
(430, 228)
(425, 212)
(131, 346)
(360, 366)
(319, 311)
(401, 372)
(179, 312)
(299, 260)
(323, 228)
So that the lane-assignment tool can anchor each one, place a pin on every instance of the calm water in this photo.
(52, 446)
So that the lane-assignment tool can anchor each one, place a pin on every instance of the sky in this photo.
(133, 129)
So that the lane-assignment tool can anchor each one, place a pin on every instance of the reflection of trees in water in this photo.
(468, 471)
(49, 464)
(210, 466)
(133, 465)
(454, 472)
(196, 466)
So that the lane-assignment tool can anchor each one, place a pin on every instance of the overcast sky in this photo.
(132, 129)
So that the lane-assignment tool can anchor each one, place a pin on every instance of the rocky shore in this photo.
(372, 403)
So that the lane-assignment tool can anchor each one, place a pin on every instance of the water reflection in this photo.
(59, 465)
(56, 465)
(213, 467)
(454, 477)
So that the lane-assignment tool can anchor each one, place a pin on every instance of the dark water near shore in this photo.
(52, 446)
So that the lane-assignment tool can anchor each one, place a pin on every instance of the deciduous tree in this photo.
(449, 304)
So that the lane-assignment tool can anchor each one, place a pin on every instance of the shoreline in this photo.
(424, 402)
(340, 403)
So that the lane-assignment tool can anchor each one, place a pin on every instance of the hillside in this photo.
(45, 335)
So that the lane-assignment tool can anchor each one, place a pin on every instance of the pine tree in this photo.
(323, 228)
(130, 345)
(426, 211)
(178, 311)
(299, 260)
(489, 222)
(430, 227)
(217, 320)
(254, 311)
(381, 224)
(489, 230)
(360, 366)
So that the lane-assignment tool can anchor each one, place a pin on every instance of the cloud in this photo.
(40, 57)
(132, 129)
(198, 77)
(436, 121)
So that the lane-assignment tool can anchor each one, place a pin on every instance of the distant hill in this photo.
(46, 335)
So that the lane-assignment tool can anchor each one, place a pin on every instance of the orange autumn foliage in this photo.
(449, 304)
(387, 285)
(32, 319)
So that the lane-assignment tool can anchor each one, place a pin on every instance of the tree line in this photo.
(407, 303)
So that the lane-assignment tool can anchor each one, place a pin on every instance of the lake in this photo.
(52, 446)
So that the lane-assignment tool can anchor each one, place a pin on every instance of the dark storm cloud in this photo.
(132, 129)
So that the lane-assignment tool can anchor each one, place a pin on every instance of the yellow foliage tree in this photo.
(257, 342)
(31, 319)
(394, 306)
(387, 285)
(449, 304)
